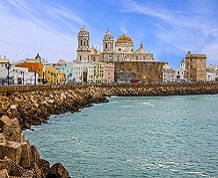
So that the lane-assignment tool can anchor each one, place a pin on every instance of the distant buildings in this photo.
(118, 62)
(128, 65)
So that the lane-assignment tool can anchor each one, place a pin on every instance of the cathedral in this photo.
(119, 51)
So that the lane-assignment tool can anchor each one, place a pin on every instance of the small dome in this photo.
(108, 35)
(141, 49)
(124, 39)
(83, 32)
(83, 29)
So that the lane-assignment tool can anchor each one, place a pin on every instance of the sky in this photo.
(167, 28)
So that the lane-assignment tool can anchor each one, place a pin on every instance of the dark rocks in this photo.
(58, 171)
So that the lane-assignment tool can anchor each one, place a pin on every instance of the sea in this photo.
(128, 137)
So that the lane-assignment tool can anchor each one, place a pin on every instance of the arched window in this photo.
(81, 42)
(119, 49)
(87, 42)
(105, 45)
(84, 43)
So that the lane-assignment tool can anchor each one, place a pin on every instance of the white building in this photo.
(18, 75)
(168, 74)
(78, 72)
(180, 72)
(212, 73)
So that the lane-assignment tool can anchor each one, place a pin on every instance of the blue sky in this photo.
(167, 28)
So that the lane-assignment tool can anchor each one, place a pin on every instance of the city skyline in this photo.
(168, 29)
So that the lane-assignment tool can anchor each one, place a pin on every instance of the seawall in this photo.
(32, 105)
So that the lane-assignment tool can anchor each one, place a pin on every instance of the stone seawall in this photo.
(33, 105)
(24, 106)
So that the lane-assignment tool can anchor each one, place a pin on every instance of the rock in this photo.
(44, 165)
(13, 106)
(58, 171)
(4, 173)
(35, 155)
(28, 174)
(10, 128)
(12, 168)
(37, 171)
(26, 155)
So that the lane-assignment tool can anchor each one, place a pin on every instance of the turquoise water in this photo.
(173, 136)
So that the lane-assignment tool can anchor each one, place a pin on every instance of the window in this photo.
(106, 46)
(119, 49)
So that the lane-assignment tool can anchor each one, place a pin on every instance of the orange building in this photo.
(34, 66)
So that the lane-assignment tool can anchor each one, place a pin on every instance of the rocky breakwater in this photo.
(35, 107)
(19, 159)
(21, 110)
(164, 89)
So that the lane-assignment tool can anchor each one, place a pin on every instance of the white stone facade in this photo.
(121, 50)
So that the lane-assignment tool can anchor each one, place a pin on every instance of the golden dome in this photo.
(124, 39)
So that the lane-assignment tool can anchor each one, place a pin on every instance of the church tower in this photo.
(108, 47)
(83, 50)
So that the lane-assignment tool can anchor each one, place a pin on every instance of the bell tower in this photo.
(108, 47)
(83, 50)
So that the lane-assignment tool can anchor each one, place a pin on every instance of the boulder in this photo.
(58, 171)
(4, 173)
(10, 128)
(12, 150)
(26, 155)
(28, 174)
(12, 168)
(35, 155)
(44, 165)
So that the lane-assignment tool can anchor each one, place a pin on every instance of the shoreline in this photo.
(24, 106)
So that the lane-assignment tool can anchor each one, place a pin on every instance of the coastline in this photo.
(32, 105)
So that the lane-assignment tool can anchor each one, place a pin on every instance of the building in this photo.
(54, 75)
(34, 65)
(17, 75)
(128, 64)
(78, 72)
(98, 72)
(180, 72)
(68, 69)
(109, 73)
(195, 67)
(168, 74)
(143, 71)
(212, 73)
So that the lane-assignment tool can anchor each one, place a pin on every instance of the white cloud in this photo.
(123, 26)
(31, 28)
(193, 28)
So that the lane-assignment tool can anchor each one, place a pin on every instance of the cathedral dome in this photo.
(124, 39)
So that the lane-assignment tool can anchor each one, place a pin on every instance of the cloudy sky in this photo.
(167, 28)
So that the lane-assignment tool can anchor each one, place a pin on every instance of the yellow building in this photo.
(98, 72)
(54, 76)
